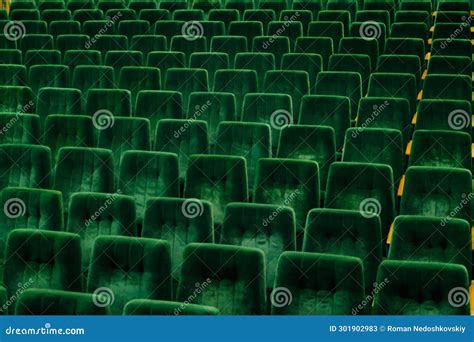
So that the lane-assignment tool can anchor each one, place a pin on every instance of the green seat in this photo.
(124, 135)
(73, 58)
(375, 15)
(210, 61)
(330, 29)
(165, 60)
(51, 76)
(178, 221)
(20, 129)
(307, 142)
(230, 45)
(245, 139)
(291, 183)
(349, 233)
(108, 43)
(449, 87)
(361, 46)
(427, 288)
(401, 64)
(139, 5)
(58, 101)
(188, 46)
(29, 208)
(278, 47)
(186, 81)
(7, 43)
(445, 31)
(58, 27)
(211, 29)
(219, 180)
(125, 268)
(312, 5)
(441, 149)
(248, 225)
(12, 75)
(24, 14)
(410, 30)
(231, 278)
(453, 115)
(327, 110)
(117, 102)
(271, 109)
(406, 46)
(182, 137)
(53, 14)
(319, 45)
(385, 113)
(71, 42)
(154, 15)
(429, 239)
(34, 27)
(93, 27)
(341, 83)
(27, 166)
(106, 5)
(173, 5)
(136, 79)
(131, 28)
(304, 16)
(81, 169)
(142, 307)
(239, 82)
(399, 85)
(17, 99)
(57, 267)
(44, 5)
(291, 29)
(67, 131)
(225, 15)
(456, 17)
(291, 82)
(35, 57)
(56, 302)
(344, 5)
(352, 63)
(147, 43)
(146, 174)
(450, 65)
(168, 28)
(10, 56)
(409, 16)
(416, 5)
(437, 191)
(36, 42)
(336, 15)
(120, 59)
(248, 29)
(212, 107)
(311, 63)
(378, 146)
(159, 104)
(365, 187)
(454, 5)
(261, 62)
(88, 77)
(85, 14)
(456, 47)
(370, 31)
(317, 284)
(188, 14)
(74, 5)
(206, 5)
(275, 5)
(94, 214)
